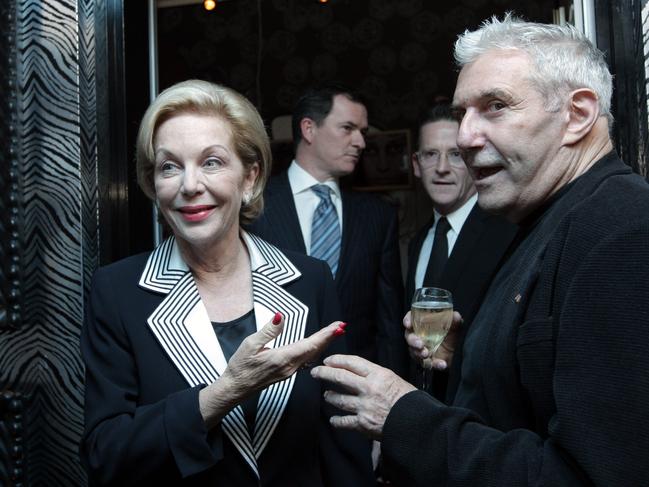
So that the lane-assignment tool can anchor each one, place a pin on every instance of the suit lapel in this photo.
(348, 235)
(181, 325)
(413, 259)
(283, 221)
(272, 270)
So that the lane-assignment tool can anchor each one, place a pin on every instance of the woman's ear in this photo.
(583, 112)
(251, 177)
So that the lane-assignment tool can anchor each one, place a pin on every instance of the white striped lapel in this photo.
(181, 325)
(163, 268)
(182, 339)
(270, 270)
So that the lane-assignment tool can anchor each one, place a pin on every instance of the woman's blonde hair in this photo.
(249, 136)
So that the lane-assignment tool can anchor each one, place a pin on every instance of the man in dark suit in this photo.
(473, 242)
(329, 123)
(554, 386)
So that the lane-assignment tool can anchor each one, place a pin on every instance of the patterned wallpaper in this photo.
(398, 54)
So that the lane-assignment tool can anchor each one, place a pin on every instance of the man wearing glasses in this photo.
(460, 247)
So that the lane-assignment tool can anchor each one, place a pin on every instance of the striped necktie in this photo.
(325, 229)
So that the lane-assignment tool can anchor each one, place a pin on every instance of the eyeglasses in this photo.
(430, 158)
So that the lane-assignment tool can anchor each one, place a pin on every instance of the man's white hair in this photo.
(565, 60)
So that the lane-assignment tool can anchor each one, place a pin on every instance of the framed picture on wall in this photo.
(385, 163)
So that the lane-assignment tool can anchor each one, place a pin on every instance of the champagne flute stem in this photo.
(427, 376)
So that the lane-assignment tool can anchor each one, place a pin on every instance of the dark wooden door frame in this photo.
(619, 35)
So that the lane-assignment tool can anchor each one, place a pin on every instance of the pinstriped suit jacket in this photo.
(149, 347)
(368, 280)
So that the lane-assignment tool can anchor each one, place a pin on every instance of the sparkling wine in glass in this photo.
(431, 317)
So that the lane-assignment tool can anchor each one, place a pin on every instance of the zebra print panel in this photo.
(55, 80)
(88, 140)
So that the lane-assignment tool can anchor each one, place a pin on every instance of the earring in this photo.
(246, 198)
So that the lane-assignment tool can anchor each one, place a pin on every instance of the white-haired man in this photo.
(554, 380)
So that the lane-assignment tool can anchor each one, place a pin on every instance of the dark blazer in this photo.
(368, 281)
(477, 252)
(149, 347)
(554, 384)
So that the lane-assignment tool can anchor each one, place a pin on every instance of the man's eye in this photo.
(495, 106)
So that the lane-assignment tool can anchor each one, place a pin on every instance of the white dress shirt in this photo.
(456, 221)
(306, 201)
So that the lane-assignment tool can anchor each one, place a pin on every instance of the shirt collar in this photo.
(302, 181)
(457, 218)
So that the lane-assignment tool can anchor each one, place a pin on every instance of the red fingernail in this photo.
(277, 318)
(342, 325)
(338, 332)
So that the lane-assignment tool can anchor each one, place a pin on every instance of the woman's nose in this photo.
(192, 182)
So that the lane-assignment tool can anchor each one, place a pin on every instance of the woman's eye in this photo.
(168, 167)
(213, 163)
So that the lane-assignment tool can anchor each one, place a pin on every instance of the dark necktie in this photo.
(438, 254)
(325, 229)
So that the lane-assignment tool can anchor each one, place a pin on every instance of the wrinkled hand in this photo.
(444, 354)
(254, 366)
(371, 392)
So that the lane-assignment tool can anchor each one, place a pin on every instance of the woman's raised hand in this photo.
(254, 366)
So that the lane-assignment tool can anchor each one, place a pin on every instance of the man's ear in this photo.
(307, 126)
(415, 166)
(583, 112)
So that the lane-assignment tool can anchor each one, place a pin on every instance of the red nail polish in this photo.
(277, 318)
(338, 332)
(342, 325)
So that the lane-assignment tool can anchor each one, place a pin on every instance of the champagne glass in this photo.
(431, 317)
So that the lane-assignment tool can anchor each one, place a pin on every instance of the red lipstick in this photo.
(196, 213)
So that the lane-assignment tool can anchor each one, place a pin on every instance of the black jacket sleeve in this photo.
(598, 434)
(124, 442)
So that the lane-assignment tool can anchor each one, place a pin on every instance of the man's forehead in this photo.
(440, 129)
(345, 110)
(495, 73)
